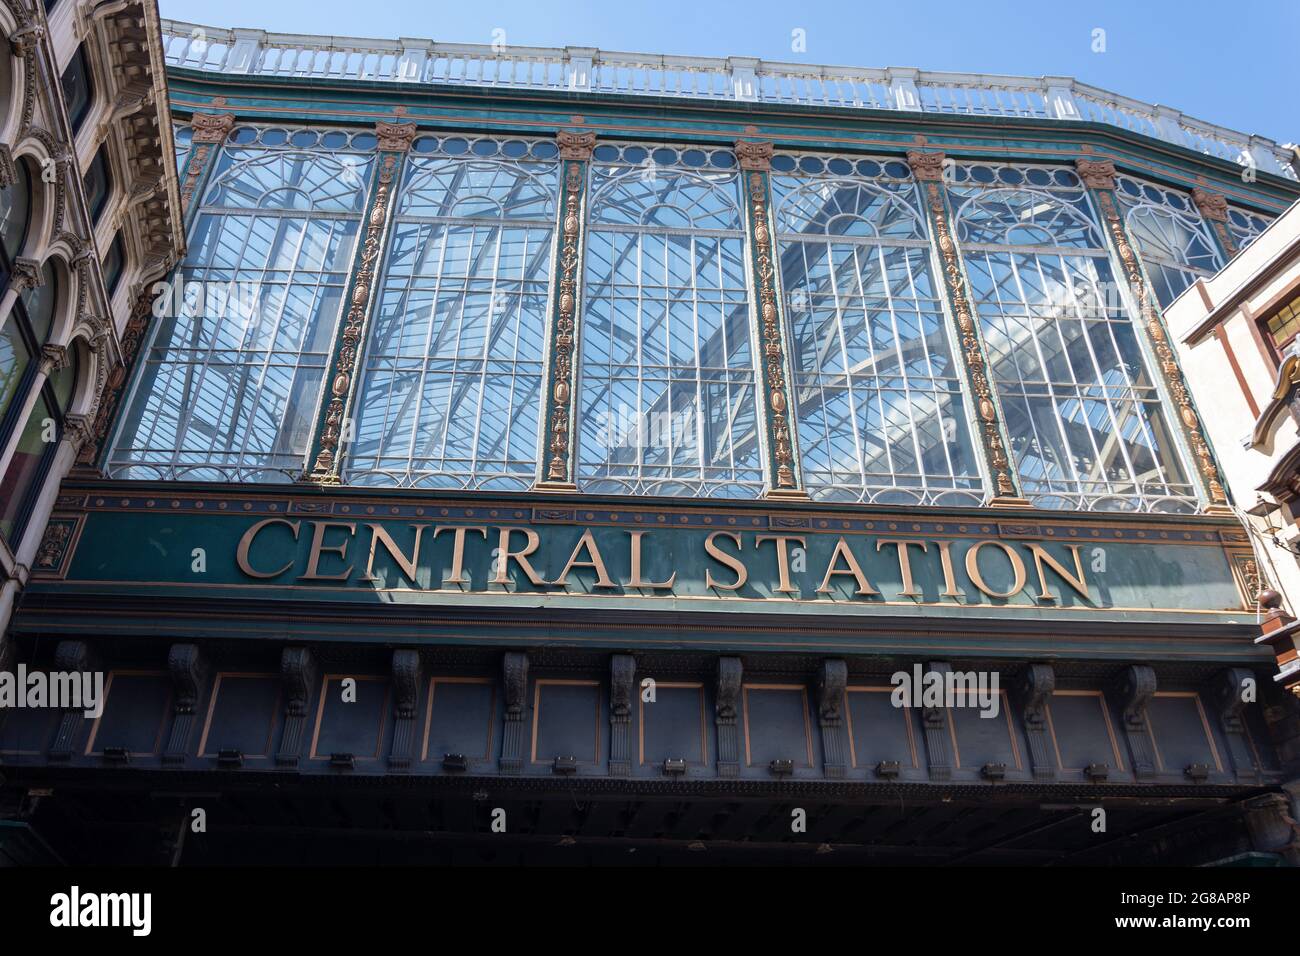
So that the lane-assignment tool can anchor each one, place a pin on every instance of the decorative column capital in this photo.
(23, 40)
(1213, 206)
(576, 145)
(78, 429)
(926, 166)
(211, 127)
(754, 157)
(53, 358)
(26, 275)
(394, 137)
(1096, 173)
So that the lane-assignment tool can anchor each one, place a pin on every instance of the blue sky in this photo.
(1231, 63)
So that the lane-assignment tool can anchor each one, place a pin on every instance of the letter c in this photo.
(246, 542)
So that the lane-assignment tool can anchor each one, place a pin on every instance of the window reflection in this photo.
(450, 395)
(1081, 410)
(666, 374)
(879, 405)
(232, 378)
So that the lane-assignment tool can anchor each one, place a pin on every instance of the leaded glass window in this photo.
(451, 392)
(1246, 226)
(232, 378)
(1171, 237)
(1082, 411)
(878, 398)
(666, 389)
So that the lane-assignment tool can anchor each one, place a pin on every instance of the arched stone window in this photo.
(451, 388)
(39, 437)
(1082, 411)
(878, 399)
(15, 219)
(666, 375)
(230, 384)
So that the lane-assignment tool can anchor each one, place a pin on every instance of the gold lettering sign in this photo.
(729, 564)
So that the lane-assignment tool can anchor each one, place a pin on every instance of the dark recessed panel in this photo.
(1181, 736)
(674, 726)
(984, 736)
(242, 715)
(134, 714)
(879, 730)
(461, 718)
(777, 725)
(1082, 732)
(566, 721)
(351, 727)
(28, 730)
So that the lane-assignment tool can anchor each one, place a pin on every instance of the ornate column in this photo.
(938, 735)
(780, 449)
(558, 462)
(325, 455)
(1099, 177)
(1137, 685)
(832, 680)
(971, 356)
(622, 673)
(297, 677)
(1214, 210)
(210, 131)
(1035, 691)
(514, 682)
(407, 678)
(188, 670)
(726, 712)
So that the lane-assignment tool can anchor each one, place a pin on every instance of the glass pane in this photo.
(15, 212)
(39, 303)
(231, 384)
(451, 388)
(1081, 408)
(666, 376)
(880, 412)
(24, 468)
(14, 358)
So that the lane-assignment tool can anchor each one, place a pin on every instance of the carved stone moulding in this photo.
(211, 127)
(575, 145)
(1096, 173)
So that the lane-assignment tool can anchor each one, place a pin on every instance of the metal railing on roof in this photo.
(744, 79)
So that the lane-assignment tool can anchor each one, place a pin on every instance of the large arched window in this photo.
(15, 219)
(1174, 242)
(231, 383)
(878, 399)
(78, 88)
(1081, 409)
(25, 331)
(666, 387)
(33, 320)
(37, 445)
(451, 389)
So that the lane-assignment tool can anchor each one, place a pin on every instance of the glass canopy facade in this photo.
(451, 375)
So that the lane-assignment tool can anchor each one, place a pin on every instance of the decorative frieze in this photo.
(776, 400)
(1158, 337)
(927, 167)
(562, 333)
(1214, 210)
